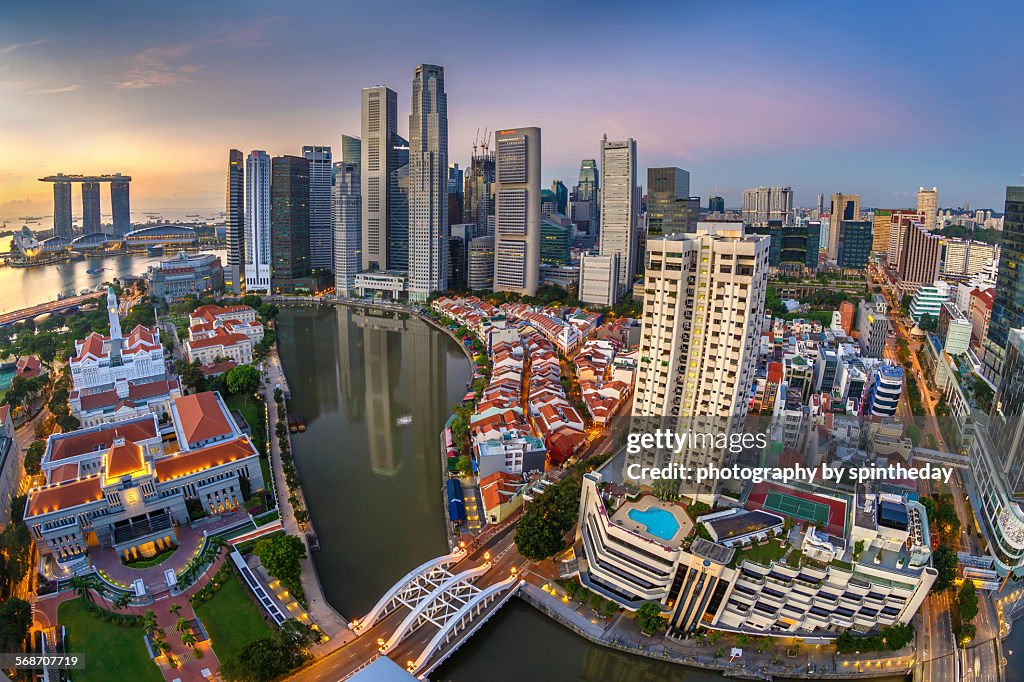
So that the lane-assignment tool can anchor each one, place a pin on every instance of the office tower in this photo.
(918, 259)
(352, 150)
(321, 232)
(855, 240)
(459, 237)
(813, 244)
(599, 279)
(762, 204)
(62, 210)
(480, 276)
(618, 199)
(517, 211)
(478, 205)
(585, 209)
(716, 205)
(821, 203)
(257, 222)
(234, 222)
(884, 394)
(398, 207)
(1008, 306)
(346, 207)
(703, 308)
(289, 223)
(880, 230)
(844, 207)
(91, 208)
(900, 221)
(773, 230)
(554, 242)
(120, 205)
(668, 201)
(428, 183)
(928, 205)
(379, 128)
(456, 189)
(561, 193)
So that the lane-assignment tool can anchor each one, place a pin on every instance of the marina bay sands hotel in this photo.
(119, 202)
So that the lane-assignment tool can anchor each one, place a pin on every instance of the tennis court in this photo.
(787, 505)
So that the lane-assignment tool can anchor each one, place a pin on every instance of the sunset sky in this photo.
(874, 98)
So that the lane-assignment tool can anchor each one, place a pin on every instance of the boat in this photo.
(94, 271)
(404, 420)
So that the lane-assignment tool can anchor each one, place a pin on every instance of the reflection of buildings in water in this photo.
(382, 352)
(315, 341)
(427, 398)
(349, 368)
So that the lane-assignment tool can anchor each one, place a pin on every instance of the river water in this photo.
(374, 486)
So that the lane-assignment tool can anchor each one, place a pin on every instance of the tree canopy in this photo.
(541, 531)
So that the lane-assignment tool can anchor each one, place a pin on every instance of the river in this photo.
(374, 487)
(25, 287)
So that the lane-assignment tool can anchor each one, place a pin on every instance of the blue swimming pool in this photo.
(659, 522)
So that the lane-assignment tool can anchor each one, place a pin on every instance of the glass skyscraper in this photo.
(1008, 306)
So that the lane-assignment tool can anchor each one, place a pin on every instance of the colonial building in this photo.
(126, 485)
(10, 464)
(125, 400)
(217, 333)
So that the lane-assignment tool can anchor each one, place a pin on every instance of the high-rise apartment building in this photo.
(844, 207)
(234, 222)
(584, 208)
(762, 204)
(716, 205)
(919, 258)
(346, 207)
(91, 208)
(257, 222)
(352, 150)
(321, 232)
(1008, 306)
(428, 183)
(703, 307)
(517, 210)
(619, 206)
(379, 129)
(928, 205)
(289, 223)
(668, 201)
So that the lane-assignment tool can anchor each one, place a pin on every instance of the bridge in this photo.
(429, 612)
(938, 457)
(51, 307)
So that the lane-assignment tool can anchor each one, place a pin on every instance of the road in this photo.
(52, 306)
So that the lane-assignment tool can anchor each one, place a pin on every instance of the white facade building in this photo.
(619, 206)
(762, 204)
(599, 279)
(379, 126)
(257, 222)
(517, 211)
(428, 183)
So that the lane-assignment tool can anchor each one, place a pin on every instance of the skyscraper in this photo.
(1008, 306)
(619, 206)
(456, 184)
(928, 205)
(855, 239)
(379, 127)
(762, 204)
(120, 206)
(398, 205)
(62, 210)
(668, 200)
(919, 258)
(716, 205)
(517, 210)
(561, 193)
(478, 205)
(844, 207)
(321, 233)
(428, 183)
(346, 208)
(352, 150)
(234, 222)
(91, 208)
(289, 223)
(584, 210)
(257, 222)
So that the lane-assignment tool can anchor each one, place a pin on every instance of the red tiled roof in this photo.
(201, 459)
(124, 459)
(136, 391)
(63, 496)
(65, 472)
(29, 366)
(92, 345)
(80, 443)
(215, 368)
(201, 417)
(497, 488)
(220, 338)
(5, 410)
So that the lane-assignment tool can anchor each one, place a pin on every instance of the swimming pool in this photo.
(659, 522)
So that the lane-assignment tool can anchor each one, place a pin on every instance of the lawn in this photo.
(112, 652)
(153, 560)
(231, 619)
(250, 412)
(761, 554)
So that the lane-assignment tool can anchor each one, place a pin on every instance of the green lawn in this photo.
(763, 554)
(112, 652)
(231, 619)
(153, 560)
(250, 412)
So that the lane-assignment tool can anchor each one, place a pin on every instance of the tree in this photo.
(966, 633)
(928, 323)
(189, 640)
(82, 587)
(175, 610)
(967, 601)
(243, 380)
(541, 531)
(182, 625)
(149, 623)
(122, 600)
(280, 555)
(191, 374)
(33, 457)
(945, 562)
(464, 465)
(648, 618)
(15, 621)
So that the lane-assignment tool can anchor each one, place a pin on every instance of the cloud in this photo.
(56, 91)
(19, 46)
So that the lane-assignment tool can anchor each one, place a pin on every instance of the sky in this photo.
(875, 98)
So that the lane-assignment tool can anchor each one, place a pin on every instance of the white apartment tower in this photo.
(762, 204)
(346, 208)
(257, 222)
(379, 126)
(619, 206)
(321, 234)
(517, 211)
(703, 309)
(428, 183)
(928, 205)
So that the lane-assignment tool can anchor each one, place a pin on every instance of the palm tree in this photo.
(189, 640)
(175, 609)
(149, 623)
(182, 625)
(163, 647)
(81, 586)
(122, 601)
